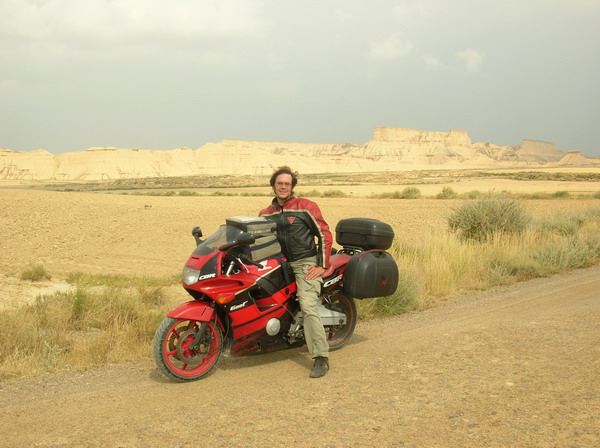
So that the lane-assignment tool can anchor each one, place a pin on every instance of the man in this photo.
(299, 223)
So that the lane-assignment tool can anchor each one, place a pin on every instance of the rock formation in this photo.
(390, 149)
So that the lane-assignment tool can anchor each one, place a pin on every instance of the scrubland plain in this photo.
(495, 369)
(137, 231)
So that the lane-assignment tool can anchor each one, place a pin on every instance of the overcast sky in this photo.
(165, 74)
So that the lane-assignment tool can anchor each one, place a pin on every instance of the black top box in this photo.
(365, 233)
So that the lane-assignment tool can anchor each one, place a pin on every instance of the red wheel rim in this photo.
(183, 361)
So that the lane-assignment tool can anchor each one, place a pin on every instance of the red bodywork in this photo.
(249, 298)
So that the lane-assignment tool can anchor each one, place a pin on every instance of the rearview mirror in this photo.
(244, 239)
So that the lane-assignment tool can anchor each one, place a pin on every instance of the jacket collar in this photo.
(287, 201)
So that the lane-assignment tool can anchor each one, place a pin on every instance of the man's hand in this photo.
(314, 272)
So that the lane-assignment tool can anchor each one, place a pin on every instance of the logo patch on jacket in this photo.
(291, 219)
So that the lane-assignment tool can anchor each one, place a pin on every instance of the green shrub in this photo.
(561, 194)
(480, 220)
(596, 195)
(312, 193)
(387, 195)
(473, 194)
(538, 195)
(407, 193)
(411, 193)
(35, 273)
(566, 254)
(334, 194)
(559, 224)
(447, 193)
(508, 269)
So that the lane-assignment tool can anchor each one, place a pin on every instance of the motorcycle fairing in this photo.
(193, 310)
(334, 274)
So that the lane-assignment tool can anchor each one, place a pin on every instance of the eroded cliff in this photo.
(390, 149)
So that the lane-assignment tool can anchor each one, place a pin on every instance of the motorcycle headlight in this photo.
(190, 276)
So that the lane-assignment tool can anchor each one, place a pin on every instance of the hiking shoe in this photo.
(320, 368)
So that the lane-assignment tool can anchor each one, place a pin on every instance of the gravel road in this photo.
(513, 367)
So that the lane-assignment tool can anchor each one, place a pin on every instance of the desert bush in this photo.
(249, 194)
(411, 193)
(508, 259)
(482, 219)
(448, 264)
(308, 194)
(387, 195)
(187, 193)
(596, 195)
(447, 193)
(35, 273)
(334, 194)
(536, 195)
(561, 194)
(565, 254)
(407, 193)
(560, 224)
(473, 194)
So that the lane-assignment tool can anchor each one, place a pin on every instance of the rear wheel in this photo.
(339, 335)
(173, 350)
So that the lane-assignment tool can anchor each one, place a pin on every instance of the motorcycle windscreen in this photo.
(224, 235)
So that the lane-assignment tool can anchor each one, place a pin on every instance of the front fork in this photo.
(203, 312)
(199, 335)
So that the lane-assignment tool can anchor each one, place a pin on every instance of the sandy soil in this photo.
(89, 232)
(147, 235)
(515, 367)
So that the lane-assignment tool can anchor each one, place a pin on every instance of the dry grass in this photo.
(35, 272)
(97, 324)
(447, 265)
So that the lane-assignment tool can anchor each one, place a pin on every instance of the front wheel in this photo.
(339, 335)
(174, 354)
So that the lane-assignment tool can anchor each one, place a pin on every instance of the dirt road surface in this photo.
(514, 367)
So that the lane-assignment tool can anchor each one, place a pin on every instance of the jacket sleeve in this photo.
(324, 236)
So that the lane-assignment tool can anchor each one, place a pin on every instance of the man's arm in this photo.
(321, 230)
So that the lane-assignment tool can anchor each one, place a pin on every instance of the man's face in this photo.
(283, 186)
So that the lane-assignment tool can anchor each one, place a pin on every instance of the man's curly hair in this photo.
(285, 170)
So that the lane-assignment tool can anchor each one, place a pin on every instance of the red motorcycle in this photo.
(244, 294)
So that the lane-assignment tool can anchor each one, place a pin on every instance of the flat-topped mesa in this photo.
(407, 136)
(390, 149)
(539, 151)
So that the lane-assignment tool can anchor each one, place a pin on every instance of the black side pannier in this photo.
(366, 233)
(371, 274)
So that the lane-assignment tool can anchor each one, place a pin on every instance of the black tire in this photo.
(339, 335)
(172, 351)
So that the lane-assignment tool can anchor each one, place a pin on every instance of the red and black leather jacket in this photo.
(299, 221)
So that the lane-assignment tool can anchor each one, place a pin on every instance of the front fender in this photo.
(193, 310)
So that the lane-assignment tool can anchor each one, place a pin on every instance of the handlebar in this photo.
(247, 259)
